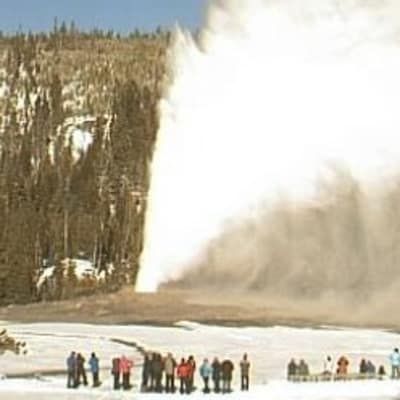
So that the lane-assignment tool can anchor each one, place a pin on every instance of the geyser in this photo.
(268, 95)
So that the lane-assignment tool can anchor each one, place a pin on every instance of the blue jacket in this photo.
(94, 364)
(395, 359)
(206, 370)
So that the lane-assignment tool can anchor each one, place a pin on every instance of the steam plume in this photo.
(271, 95)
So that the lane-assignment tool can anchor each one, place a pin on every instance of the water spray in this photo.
(271, 93)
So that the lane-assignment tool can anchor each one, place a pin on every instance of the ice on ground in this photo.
(269, 350)
(16, 390)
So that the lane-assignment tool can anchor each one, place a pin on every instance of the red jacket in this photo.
(183, 370)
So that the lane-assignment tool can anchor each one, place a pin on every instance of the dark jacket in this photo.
(292, 368)
(303, 369)
(227, 368)
(157, 366)
(80, 362)
(115, 366)
(216, 367)
(71, 363)
(146, 367)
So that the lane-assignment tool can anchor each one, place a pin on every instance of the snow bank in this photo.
(53, 388)
(269, 350)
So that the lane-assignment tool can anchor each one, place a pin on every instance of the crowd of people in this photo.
(219, 373)
(162, 374)
(340, 369)
(76, 371)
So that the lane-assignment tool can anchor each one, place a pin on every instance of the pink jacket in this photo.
(125, 365)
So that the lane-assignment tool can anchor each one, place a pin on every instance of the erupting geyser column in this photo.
(273, 91)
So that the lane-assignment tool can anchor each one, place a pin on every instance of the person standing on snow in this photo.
(71, 370)
(146, 371)
(216, 374)
(227, 368)
(125, 367)
(245, 372)
(371, 369)
(191, 370)
(328, 366)
(152, 378)
(94, 369)
(395, 363)
(343, 364)
(183, 374)
(206, 373)
(169, 367)
(80, 370)
(292, 370)
(158, 369)
(363, 369)
(116, 372)
(381, 372)
(303, 369)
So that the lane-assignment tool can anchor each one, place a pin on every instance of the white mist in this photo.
(274, 91)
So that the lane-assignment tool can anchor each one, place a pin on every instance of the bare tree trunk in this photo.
(66, 217)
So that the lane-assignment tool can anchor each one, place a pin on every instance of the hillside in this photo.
(78, 121)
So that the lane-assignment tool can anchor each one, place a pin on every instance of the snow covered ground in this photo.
(269, 350)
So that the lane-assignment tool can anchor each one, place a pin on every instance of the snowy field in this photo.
(269, 350)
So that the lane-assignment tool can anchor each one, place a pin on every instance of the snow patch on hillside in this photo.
(81, 268)
(4, 90)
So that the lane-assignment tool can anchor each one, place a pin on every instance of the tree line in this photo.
(59, 199)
